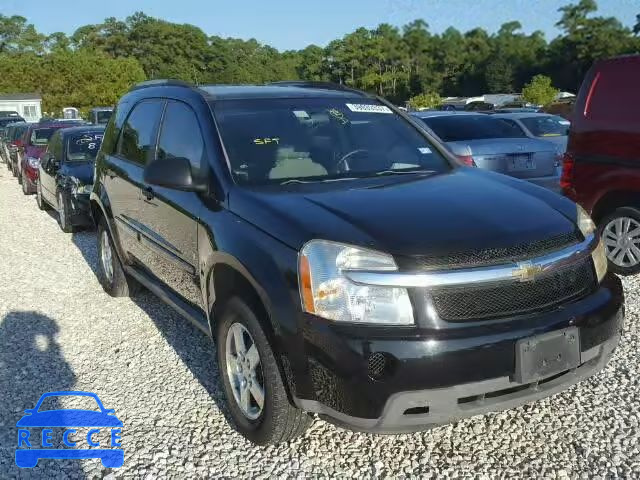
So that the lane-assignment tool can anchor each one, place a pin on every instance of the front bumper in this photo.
(79, 209)
(441, 376)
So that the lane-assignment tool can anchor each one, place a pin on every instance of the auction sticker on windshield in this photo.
(364, 108)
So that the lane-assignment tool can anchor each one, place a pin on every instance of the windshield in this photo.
(546, 126)
(18, 131)
(319, 139)
(103, 117)
(456, 128)
(41, 136)
(83, 147)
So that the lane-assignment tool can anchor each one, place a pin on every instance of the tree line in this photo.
(98, 62)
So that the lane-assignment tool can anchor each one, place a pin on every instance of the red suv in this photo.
(602, 164)
(34, 144)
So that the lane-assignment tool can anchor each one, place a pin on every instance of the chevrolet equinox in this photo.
(344, 261)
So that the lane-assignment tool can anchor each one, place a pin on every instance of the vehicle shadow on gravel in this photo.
(195, 349)
(31, 363)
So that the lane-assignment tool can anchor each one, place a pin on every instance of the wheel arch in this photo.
(612, 200)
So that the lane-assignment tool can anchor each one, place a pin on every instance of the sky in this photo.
(294, 24)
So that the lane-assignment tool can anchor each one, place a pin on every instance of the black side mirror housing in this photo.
(173, 173)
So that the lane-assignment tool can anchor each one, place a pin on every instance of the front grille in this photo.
(494, 256)
(500, 300)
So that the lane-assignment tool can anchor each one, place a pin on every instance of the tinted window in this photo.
(138, 133)
(615, 95)
(41, 136)
(512, 124)
(318, 139)
(456, 128)
(546, 126)
(103, 116)
(83, 147)
(180, 135)
(18, 132)
(55, 145)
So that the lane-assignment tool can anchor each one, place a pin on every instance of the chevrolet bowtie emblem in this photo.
(526, 272)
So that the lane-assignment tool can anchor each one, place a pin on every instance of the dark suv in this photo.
(344, 262)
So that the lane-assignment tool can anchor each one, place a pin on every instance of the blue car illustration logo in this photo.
(27, 457)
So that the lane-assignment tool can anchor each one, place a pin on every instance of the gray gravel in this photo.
(58, 331)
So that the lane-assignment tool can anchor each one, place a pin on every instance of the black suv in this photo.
(343, 261)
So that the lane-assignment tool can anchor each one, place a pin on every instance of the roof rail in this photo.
(161, 83)
(314, 84)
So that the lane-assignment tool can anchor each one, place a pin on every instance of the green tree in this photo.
(425, 100)
(16, 35)
(499, 76)
(539, 90)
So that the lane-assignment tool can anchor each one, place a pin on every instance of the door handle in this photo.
(147, 192)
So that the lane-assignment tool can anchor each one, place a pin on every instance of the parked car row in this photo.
(523, 145)
(343, 257)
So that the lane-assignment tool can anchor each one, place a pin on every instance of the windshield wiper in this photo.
(403, 172)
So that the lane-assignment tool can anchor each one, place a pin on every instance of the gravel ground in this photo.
(59, 331)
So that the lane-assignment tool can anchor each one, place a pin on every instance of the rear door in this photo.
(123, 176)
(170, 216)
(48, 170)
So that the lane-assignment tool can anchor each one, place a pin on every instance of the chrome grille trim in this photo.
(545, 264)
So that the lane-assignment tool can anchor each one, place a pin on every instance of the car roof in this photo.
(445, 113)
(81, 129)
(517, 115)
(237, 92)
(286, 89)
(102, 109)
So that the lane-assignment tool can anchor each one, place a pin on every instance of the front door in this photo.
(171, 216)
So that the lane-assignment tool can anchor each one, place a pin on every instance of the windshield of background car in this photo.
(41, 136)
(103, 117)
(546, 126)
(18, 132)
(456, 128)
(320, 139)
(83, 147)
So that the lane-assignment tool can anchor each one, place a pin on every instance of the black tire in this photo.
(14, 172)
(63, 213)
(279, 421)
(118, 284)
(42, 203)
(622, 212)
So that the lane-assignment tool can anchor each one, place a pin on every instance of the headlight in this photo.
(79, 189)
(326, 292)
(585, 224)
(33, 162)
(599, 256)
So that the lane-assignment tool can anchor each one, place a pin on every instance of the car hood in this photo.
(34, 151)
(83, 171)
(439, 214)
(69, 418)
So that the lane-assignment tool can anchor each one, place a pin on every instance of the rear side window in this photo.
(55, 145)
(180, 135)
(138, 133)
(615, 95)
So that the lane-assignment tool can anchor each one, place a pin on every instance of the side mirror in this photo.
(173, 173)
(30, 411)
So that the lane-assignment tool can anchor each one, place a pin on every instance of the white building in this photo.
(28, 105)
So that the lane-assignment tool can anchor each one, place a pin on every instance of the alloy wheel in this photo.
(106, 256)
(244, 370)
(621, 238)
